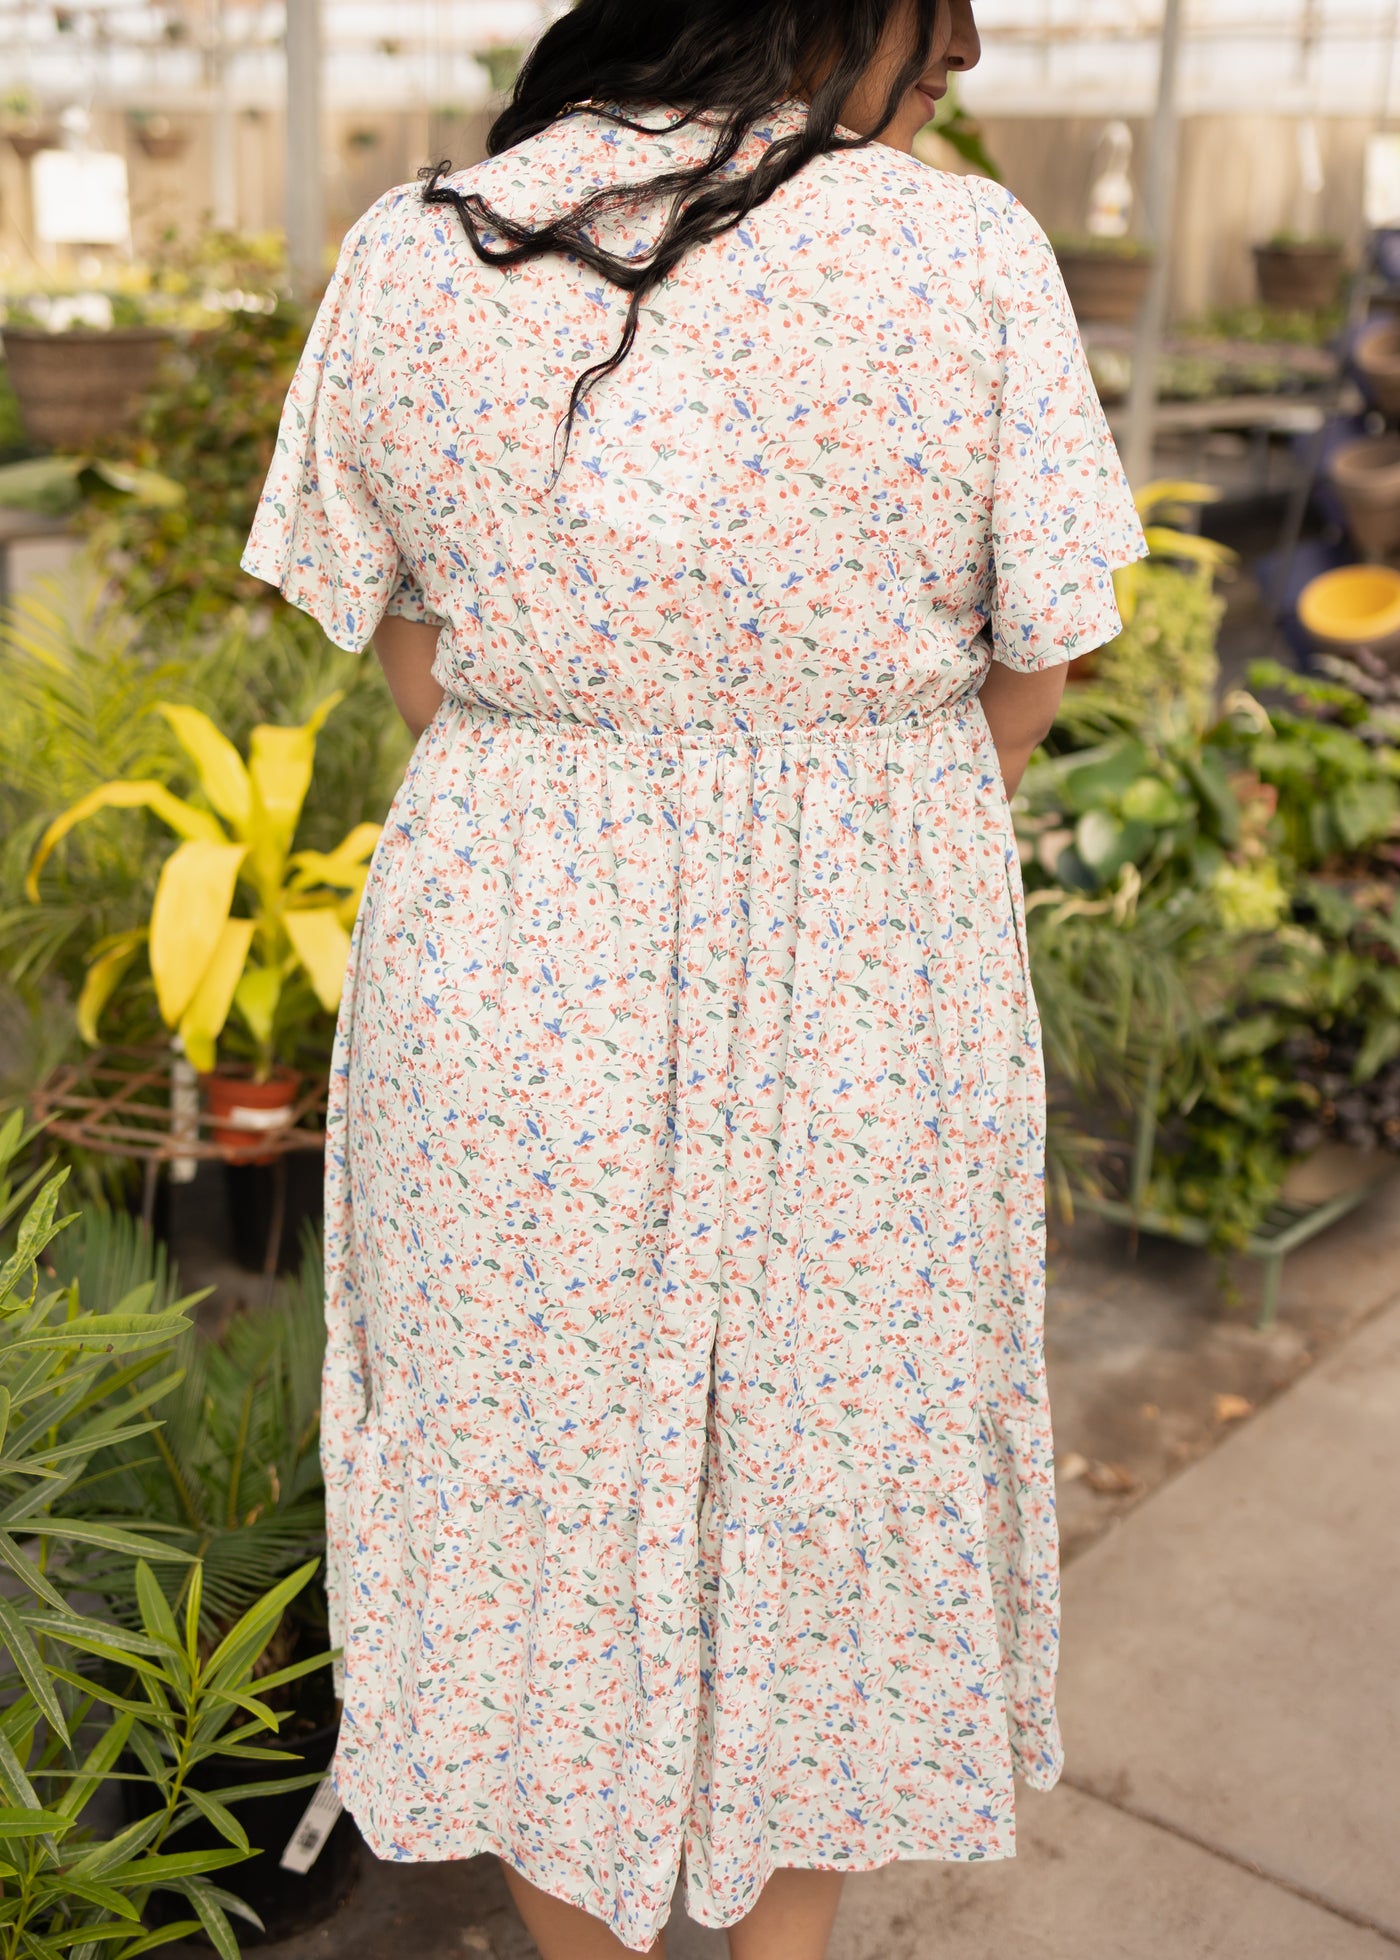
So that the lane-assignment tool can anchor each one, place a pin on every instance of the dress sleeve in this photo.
(1062, 513)
(319, 534)
(408, 600)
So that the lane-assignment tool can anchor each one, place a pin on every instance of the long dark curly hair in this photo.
(731, 62)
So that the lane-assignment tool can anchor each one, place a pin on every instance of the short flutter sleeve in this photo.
(1062, 513)
(320, 535)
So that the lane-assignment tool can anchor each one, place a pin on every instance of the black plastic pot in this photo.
(286, 1902)
(251, 1195)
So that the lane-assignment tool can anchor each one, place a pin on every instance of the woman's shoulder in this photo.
(933, 205)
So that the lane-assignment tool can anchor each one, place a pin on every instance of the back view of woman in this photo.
(723, 491)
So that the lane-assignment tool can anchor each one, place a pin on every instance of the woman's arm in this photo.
(1019, 710)
(406, 652)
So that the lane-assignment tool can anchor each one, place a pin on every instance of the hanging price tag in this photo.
(317, 1823)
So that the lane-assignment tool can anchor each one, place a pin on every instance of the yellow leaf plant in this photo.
(1165, 541)
(206, 960)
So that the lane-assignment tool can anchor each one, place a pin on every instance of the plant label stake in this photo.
(318, 1820)
(184, 1113)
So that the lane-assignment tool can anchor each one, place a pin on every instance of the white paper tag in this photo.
(317, 1823)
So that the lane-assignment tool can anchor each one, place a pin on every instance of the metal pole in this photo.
(304, 197)
(1158, 199)
(223, 154)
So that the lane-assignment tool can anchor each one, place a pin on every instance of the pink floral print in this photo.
(687, 1452)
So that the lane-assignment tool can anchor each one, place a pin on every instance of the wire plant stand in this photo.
(143, 1103)
(1288, 1224)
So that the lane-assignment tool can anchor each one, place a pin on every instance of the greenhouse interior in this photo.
(1209, 852)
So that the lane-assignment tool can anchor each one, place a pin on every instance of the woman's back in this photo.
(688, 1460)
(780, 510)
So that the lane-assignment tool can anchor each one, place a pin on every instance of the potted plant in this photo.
(1106, 278)
(25, 130)
(271, 966)
(1299, 272)
(160, 139)
(83, 356)
(80, 363)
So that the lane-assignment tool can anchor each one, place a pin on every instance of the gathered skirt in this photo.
(688, 1457)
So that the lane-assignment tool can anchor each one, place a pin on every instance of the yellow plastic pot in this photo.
(1354, 606)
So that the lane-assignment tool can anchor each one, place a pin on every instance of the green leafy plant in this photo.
(1159, 676)
(502, 65)
(185, 289)
(210, 425)
(62, 1395)
(1065, 243)
(80, 694)
(1338, 794)
(84, 1694)
(232, 1476)
(56, 486)
(67, 1892)
(1236, 889)
(1302, 241)
(14, 438)
(1268, 325)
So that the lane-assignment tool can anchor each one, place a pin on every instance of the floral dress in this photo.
(688, 1462)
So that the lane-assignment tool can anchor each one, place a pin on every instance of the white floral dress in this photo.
(687, 1454)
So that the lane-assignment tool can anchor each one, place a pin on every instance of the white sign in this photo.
(80, 198)
(1382, 195)
(318, 1820)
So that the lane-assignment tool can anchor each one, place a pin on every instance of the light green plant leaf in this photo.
(38, 1227)
(110, 1537)
(24, 1821)
(219, 1815)
(106, 1332)
(280, 761)
(256, 997)
(322, 945)
(215, 1923)
(204, 1018)
(245, 1640)
(30, 1667)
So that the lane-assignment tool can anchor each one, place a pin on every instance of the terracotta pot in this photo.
(1305, 277)
(1103, 286)
(1376, 356)
(27, 143)
(1366, 476)
(163, 146)
(76, 389)
(243, 1110)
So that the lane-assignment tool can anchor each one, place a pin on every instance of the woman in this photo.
(723, 492)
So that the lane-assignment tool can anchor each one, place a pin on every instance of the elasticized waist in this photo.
(734, 735)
